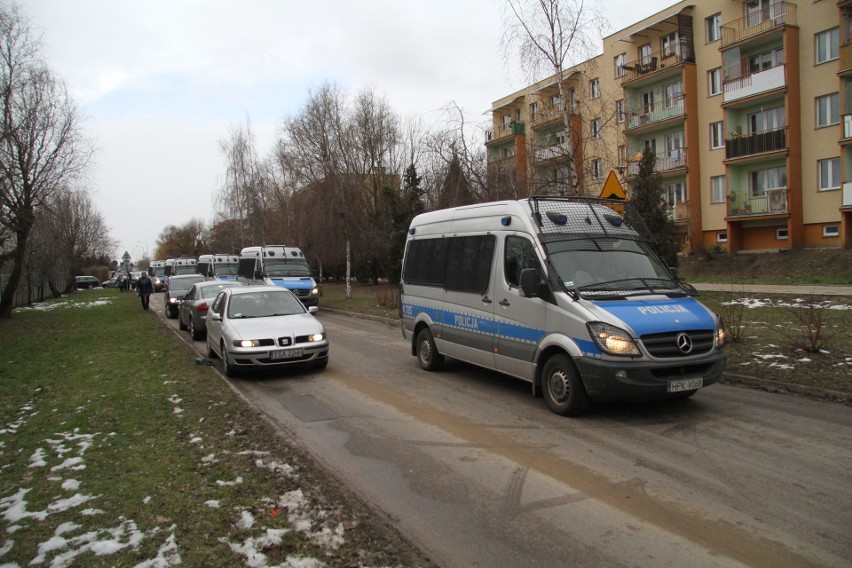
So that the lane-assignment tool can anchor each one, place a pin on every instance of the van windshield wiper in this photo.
(623, 288)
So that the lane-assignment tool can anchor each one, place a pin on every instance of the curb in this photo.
(732, 379)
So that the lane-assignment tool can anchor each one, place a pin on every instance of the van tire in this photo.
(427, 351)
(562, 388)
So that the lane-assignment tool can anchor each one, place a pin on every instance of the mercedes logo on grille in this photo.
(684, 343)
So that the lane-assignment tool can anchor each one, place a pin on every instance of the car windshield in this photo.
(212, 291)
(606, 267)
(183, 283)
(286, 267)
(264, 304)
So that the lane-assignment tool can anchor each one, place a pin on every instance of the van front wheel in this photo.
(563, 390)
(427, 352)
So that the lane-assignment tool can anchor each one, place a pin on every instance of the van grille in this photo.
(670, 345)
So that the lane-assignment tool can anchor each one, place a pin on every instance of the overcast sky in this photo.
(161, 82)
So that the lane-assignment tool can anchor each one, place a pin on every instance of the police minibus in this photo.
(565, 293)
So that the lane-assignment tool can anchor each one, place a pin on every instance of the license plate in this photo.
(686, 385)
(286, 354)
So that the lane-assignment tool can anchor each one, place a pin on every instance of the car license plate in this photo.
(686, 385)
(286, 354)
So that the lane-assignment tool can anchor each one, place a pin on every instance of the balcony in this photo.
(755, 143)
(553, 152)
(847, 126)
(665, 110)
(845, 58)
(847, 194)
(679, 211)
(771, 202)
(654, 62)
(773, 16)
(503, 131)
(546, 115)
(755, 84)
(666, 162)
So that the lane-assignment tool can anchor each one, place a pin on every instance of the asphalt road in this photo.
(478, 473)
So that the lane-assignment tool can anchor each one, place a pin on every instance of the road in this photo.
(478, 473)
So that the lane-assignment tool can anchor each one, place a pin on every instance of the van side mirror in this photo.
(530, 282)
(258, 275)
(674, 273)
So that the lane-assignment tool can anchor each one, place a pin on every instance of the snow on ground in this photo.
(63, 303)
(62, 459)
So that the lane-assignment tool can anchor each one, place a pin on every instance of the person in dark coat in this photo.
(144, 287)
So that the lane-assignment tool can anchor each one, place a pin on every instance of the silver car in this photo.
(264, 326)
(192, 311)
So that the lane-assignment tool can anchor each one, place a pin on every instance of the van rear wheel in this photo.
(427, 351)
(563, 390)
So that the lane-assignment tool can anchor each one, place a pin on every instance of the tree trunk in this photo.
(8, 297)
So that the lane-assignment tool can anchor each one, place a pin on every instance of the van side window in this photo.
(520, 254)
(468, 267)
(460, 264)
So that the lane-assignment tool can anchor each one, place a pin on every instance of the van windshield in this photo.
(283, 267)
(226, 269)
(604, 267)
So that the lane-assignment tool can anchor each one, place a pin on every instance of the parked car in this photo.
(111, 283)
(264, 326)
(176, 290)
(192, 310)
(85, 282)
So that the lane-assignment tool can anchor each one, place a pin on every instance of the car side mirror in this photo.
(313, 309)
(530, 282)
(215, 316)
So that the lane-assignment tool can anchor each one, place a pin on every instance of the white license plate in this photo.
(286, 354)
(686, 385)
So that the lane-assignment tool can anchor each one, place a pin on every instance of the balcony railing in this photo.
(847, 126)
(755, 84)
(847, 194)
(679, 211)
(773, 16)
(665, 110)
(546, 114)
(680, 52)
(555, 151)
(770, 202)
(845, 57)
(666, 161)
(755, 143)
(504, 131)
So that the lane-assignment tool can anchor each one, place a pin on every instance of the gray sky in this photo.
(160, 83)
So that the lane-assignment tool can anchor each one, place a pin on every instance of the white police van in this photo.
(281, 266)
(218, 266)
(565, 293)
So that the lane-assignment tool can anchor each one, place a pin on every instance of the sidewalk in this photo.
(775, 289)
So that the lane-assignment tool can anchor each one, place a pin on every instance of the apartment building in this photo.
(747, 105)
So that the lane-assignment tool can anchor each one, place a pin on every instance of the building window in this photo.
(827, 45)
(595, 88)
(620, 62)
(597, 168)
(719, 186)
(782, 234)
(722, 237)
(829, 174)
(673, 95)
(713, 26)
(717, 135)
(828, 110)
(714, 81)
(596, 128)
(645, 54)
(766, 60)
(670, 45)
(770, 178)
(619, 110)
(831, 231)
(622, 155)
(533, 111)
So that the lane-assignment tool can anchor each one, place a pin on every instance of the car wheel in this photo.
(563, 390)
(166, 309)
(427, 351)
(230, 369)
(193, 331)
(181, 325)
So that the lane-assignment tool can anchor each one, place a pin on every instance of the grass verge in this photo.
(117, 448)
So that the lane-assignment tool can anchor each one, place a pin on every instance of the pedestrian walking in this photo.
(144, 287)
(122, 283)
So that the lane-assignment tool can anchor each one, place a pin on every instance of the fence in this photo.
(28, 293)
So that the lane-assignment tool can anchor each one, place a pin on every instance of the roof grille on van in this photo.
(585, 216)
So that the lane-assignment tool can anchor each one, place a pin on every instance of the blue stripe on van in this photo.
(659, 316)
(293, 284)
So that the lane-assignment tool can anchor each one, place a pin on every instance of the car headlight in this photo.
(246, 343)
(173, 300)
(316, 337)
(613, 340)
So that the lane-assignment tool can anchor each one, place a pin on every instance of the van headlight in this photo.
(612, 340)
(721, 336)
(315, 291)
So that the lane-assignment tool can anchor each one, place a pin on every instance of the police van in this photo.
(281, 266)
(218, 266)
(564, 293)
(181, 265)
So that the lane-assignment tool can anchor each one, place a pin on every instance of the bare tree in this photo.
(184, 240)
(553, 35)
(42, 149)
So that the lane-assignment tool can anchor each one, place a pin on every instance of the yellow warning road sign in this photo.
(612, 187)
